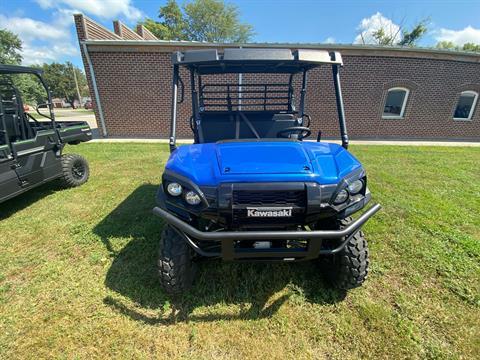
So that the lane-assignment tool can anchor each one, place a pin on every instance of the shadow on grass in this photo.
(24, 200)
(250, 286)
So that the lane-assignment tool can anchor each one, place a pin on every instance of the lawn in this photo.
(77, 271)
(62, 113)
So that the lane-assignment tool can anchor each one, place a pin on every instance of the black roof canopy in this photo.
(17, 69)
(237, 60)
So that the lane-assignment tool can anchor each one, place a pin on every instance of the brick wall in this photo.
(134, 83)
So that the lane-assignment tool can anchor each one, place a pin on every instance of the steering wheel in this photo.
(306, 116)
(295, 132)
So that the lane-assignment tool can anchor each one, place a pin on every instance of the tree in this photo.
(389, 34)
(410, 38)
(60, 80)
(59, 77)
(383, 37)
(451, 46)
(10, 48)
(446, 45)
(10, 53)
(172, 25)
(32, 90)
(471, 47)
(200, 20)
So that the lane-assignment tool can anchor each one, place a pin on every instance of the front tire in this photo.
(75, 170)
(348, 269)
(176, 269)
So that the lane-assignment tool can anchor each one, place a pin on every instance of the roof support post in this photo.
(173, 123)
(49, 99)
(340, 107)
(195, 107)
(4, 125)
(302, 94)
(291, 94)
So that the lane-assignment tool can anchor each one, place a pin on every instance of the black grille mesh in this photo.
(243, 198)
(269, 198)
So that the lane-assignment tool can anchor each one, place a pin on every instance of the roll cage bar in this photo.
(239, 61)
(16, 69)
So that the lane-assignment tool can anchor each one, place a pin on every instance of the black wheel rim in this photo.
(78, 170)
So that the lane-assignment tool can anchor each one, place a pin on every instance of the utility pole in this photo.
(76, 85)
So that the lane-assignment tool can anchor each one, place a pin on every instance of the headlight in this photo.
(342, 196)
(355, 187)
(192, 198)
(174, 189)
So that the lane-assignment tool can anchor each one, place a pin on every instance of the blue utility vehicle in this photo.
(250, 188)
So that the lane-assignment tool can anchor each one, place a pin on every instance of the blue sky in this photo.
(46, 26)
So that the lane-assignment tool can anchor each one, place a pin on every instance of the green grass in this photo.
(77, 271)
(61, 114)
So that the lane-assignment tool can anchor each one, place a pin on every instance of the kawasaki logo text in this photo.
(269, 212)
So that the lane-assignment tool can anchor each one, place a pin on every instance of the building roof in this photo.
(99, 38)
(345, 49)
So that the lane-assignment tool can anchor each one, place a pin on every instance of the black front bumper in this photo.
(227, 203)
(228, 238)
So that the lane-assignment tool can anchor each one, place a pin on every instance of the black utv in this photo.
(31, 150)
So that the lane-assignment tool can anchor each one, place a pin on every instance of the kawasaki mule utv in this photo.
(31, 149)
(250, 187)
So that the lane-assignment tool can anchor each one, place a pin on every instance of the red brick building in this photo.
(396, 93)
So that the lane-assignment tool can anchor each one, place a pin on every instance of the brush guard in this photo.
(228, 239)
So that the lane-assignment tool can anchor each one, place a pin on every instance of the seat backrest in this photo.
(280, 122)
(223, 126)
(11, 125)
(217, 127)
(9, 105)
(3, 134)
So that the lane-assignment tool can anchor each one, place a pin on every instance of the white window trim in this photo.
(472, 109)
(404, 105)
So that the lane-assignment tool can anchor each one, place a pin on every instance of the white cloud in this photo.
(64, 17)
(459, 37)
(54, 40)
(43, 42)
(29, 29)
(377, 21)
(45, 4)
(45, 54)
(329, 40)
(107, 9)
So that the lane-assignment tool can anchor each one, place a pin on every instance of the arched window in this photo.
(465, 105)
(395, 103)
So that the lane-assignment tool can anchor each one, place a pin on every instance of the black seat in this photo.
(244, 125)
(16, 122)
(3, 137)
(283, 117)
(217, 127)
(280, 122)
(11, 125)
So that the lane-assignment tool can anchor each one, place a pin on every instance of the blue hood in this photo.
(262, 161)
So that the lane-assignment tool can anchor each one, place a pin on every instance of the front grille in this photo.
(242, 199)
(269, 198)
